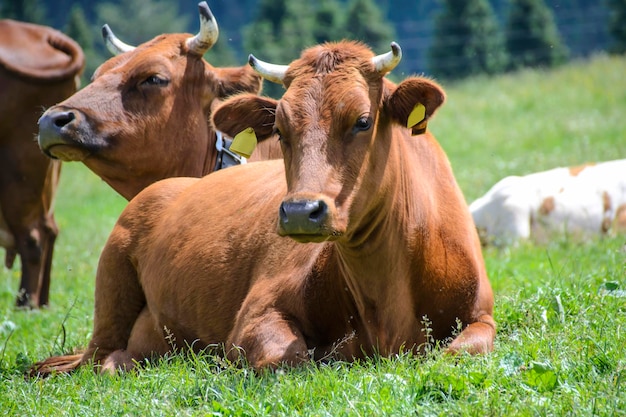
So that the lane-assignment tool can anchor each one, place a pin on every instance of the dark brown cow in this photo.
(145, 115)
(383, 255)
(39, 66)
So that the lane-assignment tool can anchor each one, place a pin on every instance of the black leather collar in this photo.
(225, 157)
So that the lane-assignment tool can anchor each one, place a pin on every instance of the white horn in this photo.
(386, 62)
(271, 72)
(208, 34)
(113, 44)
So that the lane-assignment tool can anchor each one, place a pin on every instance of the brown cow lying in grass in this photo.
(145, 115)
(383, 255)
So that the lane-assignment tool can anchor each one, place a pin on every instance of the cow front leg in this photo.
(476, 338)
(146, 341)
(50, 233)
(28, 245)
(267, 340)
(119, 299)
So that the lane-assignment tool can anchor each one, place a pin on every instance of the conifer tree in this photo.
(280, 31)
(329, 24)
(222, 53)
(365, 22)
(138, 21)
(532, 38)
(79, 29)
(467, 40)
(617, 25)
(33, 11)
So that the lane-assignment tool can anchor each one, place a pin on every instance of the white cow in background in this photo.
(579, 202)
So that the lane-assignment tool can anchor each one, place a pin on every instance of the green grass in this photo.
(561, 308)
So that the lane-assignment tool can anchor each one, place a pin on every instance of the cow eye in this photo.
(155, 80)
(363, 123)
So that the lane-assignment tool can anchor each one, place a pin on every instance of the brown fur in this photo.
(395, 266)
(606, 206)
(574, 171)
(547, 206)
(619, 224)
(132, 133)
(606, 201)
(38, 68)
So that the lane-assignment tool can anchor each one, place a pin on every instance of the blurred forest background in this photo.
(447, 39)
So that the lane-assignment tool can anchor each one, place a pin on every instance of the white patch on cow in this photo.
(504, 213)
(580, 206)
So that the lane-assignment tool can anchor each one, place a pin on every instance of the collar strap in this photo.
(225, 157)
(419, 128)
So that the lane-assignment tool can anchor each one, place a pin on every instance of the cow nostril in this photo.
(282, 213)
(63, 119)
(303, 213)
(319, 210)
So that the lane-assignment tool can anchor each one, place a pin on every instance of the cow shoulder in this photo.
(400, 100)
(246, 110)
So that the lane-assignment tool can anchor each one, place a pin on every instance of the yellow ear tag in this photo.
(417, 115)
(244, 143)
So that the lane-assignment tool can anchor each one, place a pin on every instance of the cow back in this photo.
(44, 54)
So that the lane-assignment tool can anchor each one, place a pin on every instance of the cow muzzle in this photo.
(306, 220)
(55, 135)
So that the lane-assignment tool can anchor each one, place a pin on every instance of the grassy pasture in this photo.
(561, 308)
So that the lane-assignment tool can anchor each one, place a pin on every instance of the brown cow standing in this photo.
(39, 66)
(145, 115)
(383, 255)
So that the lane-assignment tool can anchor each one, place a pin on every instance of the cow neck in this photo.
(210, 156)
(376, 259)
(120, 183)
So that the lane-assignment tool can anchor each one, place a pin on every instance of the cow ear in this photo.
(246, 110)
(413, 102)
(234, 80)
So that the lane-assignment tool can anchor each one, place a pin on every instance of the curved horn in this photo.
(271, 72)
(114, 45)
(208, 34)
(386, 62)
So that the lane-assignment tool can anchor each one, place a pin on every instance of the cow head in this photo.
(144, 116)
(336, 123)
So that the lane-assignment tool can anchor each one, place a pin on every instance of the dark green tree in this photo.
(617, 25)
(329, 24)
(365, 22)
(532, 38)
(138, 21)
(222, 54)
(467, 40)
(33, 11)
(79, 29)
(280, 31)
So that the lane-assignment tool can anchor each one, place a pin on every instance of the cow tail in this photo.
(55, 365)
